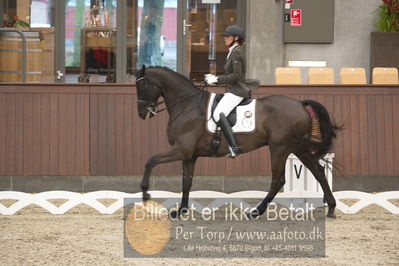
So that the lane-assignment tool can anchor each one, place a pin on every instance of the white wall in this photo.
(354, 20)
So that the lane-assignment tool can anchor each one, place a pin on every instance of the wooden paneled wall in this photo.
(43, 132)
(94, 129)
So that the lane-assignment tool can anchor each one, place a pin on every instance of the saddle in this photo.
(241, 119)
(232, 117)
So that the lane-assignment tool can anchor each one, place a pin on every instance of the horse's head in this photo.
(148, 93)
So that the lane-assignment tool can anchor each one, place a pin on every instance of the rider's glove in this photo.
(211, 79)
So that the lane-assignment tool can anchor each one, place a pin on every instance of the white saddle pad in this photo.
(245, 117)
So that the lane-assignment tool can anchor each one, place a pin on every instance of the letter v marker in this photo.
(298, 174)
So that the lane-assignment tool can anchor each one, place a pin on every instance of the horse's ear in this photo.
(140, 72)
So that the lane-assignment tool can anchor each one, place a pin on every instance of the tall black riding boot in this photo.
(228, 133)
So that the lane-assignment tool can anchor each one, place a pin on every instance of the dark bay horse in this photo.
(281, 122)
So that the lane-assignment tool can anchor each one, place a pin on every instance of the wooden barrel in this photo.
(11, 57)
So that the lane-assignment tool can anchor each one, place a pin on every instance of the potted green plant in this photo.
(385, 41)
(388, 16)
(15, 22)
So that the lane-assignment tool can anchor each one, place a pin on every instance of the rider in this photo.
(234, 80)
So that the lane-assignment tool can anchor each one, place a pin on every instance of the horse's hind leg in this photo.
(318, 171)
(188, 173)
(279, 156)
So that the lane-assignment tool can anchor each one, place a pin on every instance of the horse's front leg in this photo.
(171, 155)
(188, 173)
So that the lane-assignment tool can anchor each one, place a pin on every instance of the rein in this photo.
(179, 99)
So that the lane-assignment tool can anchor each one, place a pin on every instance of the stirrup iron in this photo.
(234, 152)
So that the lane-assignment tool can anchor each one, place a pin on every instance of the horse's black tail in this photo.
(323, 129)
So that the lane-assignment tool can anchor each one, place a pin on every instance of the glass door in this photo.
(90, 41)
(203, 24)
(107, 40)
(151, 37)
(42, 19)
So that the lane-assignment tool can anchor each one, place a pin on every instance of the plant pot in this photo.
(384, 50)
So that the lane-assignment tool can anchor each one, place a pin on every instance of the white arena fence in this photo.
(91, 199)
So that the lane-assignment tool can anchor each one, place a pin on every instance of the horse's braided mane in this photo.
(176, 73)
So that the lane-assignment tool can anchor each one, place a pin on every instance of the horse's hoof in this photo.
(331, 215)
(146, 196)
(253, 215)
(176, 214)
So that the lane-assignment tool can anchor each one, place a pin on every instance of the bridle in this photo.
(151, 106)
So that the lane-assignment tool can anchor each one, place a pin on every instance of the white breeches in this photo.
(226, 105)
